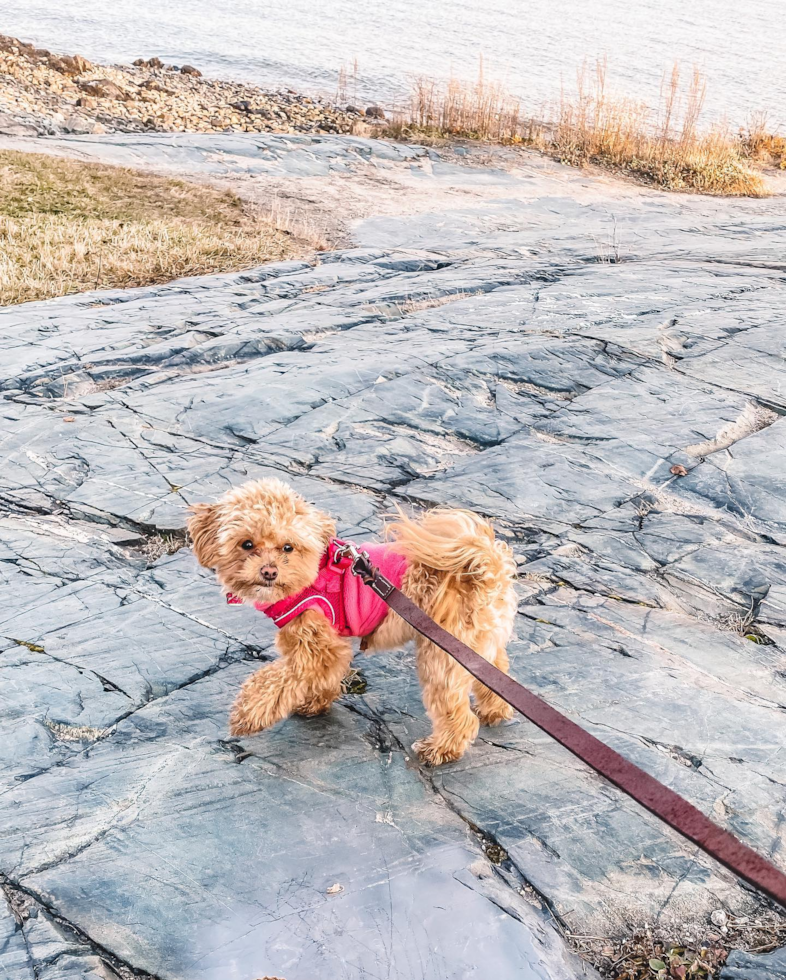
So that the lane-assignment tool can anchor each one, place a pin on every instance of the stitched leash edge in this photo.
(654, 796)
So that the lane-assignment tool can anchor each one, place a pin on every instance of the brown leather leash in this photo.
(639, 785)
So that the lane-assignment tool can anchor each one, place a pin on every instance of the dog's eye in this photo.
(247, 545)
(287, 548)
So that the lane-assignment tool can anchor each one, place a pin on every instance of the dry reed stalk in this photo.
(480, 110)
(667, 147)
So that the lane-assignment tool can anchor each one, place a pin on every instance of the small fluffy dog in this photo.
(271, 548)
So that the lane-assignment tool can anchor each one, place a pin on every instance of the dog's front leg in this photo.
(306, 678)
(265, 698)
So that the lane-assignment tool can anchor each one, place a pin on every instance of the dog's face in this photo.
(263, 540)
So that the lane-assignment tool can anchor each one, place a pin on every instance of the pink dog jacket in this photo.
(349, 605)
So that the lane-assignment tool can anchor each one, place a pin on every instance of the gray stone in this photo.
(102, 88)
(12, 126)
(14, 957)
(749, 966)
(80, 124)
(484, 352)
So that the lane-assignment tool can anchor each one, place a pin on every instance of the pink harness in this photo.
(349, 605)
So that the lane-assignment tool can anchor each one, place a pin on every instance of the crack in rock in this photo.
(25, 904)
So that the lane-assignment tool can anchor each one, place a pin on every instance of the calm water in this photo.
(533, 46)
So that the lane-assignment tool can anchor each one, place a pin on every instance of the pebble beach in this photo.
(46, 94)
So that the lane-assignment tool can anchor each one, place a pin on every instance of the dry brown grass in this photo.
(699, 955)
(665, 147)
(482, 110)
(289, 217)
(68, 226)
(761, 144)
(76, 733)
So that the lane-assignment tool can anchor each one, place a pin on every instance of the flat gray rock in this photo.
(543, 347)
(749, 966)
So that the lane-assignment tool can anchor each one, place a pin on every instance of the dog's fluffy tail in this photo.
(457, 543)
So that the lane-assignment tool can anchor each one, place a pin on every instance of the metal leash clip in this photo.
(361, 561)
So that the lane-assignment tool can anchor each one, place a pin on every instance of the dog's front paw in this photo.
(319, 704)
(241, 723)
(252, 714)
(264, 699)
(434, 753)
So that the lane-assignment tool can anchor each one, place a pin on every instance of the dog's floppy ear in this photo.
(317, 521)
(327, 527)
(203, 527)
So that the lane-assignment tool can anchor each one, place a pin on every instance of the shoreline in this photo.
(48, 94)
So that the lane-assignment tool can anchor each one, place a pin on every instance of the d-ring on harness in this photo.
(639, 785)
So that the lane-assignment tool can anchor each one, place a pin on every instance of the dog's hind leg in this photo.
(446, 686)
(491, 709)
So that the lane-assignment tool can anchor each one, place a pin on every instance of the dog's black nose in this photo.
(268, 574)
